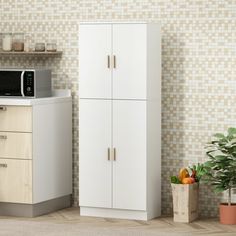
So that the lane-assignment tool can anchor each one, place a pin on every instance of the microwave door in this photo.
(10, 83)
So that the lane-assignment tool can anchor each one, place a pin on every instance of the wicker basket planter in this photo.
(185, 202)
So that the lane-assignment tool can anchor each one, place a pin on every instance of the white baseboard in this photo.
(113, 213)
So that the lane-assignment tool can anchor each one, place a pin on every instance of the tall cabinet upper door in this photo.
(94, 61)
(95, 141)
(129, 167)
(129, 50)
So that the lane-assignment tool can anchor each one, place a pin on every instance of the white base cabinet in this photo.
(35, 155)
(120, 120)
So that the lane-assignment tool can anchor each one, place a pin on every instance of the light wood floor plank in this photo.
(162, 226)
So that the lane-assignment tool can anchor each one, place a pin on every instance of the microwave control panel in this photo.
(29, 83)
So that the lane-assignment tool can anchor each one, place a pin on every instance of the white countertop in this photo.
(58, 96)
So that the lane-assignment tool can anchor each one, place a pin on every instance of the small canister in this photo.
(18, 42)
(51, 47)
(7, 41)
(39, 47)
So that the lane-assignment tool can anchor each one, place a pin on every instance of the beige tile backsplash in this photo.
(198, 68)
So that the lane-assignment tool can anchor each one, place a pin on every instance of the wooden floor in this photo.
(163, 225)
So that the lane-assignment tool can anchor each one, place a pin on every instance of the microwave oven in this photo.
(25, 83)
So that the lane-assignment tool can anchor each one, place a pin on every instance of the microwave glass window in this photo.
(10, 83)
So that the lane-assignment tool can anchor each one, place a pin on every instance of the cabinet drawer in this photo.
(15, 145)
(16, 181)
(16, 118)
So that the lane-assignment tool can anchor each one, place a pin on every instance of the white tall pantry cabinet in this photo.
(120, 120)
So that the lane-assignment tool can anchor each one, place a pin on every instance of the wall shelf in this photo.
(33, 53)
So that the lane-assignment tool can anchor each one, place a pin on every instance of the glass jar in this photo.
(27, 43)
(39, 47)
(18, 42)
(51, 47)
(7, 41)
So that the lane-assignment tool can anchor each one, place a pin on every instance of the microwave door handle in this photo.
(22, 84)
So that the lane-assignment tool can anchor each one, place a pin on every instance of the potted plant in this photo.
(221, 171)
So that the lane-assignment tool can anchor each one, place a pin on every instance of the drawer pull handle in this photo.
(3, 165)
(3, 137)
(3, 108)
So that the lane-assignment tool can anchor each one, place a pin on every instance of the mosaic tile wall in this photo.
(198, 67)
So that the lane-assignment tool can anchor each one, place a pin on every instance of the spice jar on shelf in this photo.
(51, 47)
(18, 42)
(27, 43)
(7, 41)
(39, 47)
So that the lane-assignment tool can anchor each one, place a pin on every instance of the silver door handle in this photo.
(3, 137)
(3, 108)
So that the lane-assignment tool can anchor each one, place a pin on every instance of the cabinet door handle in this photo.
(3, 165)
(114, 61)
(114, 154)
(108, 154)
(108, 62)
(3, 108)
(3, 137)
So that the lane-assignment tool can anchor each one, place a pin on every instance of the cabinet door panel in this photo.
(95, 76)
(15, 181)
(16, 118)
(129, 169)
(129, 47)
(15, 145)
(95, 139)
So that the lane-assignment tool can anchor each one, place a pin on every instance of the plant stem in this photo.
(229, 197)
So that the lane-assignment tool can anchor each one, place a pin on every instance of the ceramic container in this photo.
(7, 42)
(228, 214)
(18, 42)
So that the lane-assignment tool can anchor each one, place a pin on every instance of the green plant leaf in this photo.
(175, 180)
(219, 189)
(231, 131)
(233, 163)
(219, 135)
(209, 164)
(221, 158)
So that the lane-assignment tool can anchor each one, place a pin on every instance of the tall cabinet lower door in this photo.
(129, 166)
(95, 141)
